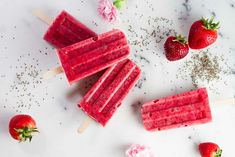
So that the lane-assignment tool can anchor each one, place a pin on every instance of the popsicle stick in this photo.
(224, 102)
(53, 72)
(39, 14)
(84, 125)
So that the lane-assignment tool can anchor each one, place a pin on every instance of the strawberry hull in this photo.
(185, 109)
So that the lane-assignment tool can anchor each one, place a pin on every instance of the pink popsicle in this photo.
(66, 30)
(176, 111)
(107, 94)
(93, 55)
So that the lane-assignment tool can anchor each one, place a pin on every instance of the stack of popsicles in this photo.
(83, 53)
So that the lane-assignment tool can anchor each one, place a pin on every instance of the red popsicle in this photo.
(180, 110)
(66, 30)
(93, 55)
(107, 94)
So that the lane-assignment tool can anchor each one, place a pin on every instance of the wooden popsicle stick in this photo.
(224, 102)
(39, 14)
(86, 122)
(53, 72)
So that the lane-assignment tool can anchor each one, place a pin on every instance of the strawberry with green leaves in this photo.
(209, 149)
(203, 33)
(176, 48)
(22, 127)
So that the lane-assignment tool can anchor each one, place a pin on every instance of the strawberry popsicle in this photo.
(93, 55)
(180, 110)
(65, 30)
(108, 92)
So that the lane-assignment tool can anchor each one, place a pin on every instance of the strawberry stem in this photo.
(181, 39)
(26, 133)
(218, 153)
(210, 24)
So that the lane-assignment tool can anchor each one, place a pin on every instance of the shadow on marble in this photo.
(136, 108)
(84, 85)
(38, 145)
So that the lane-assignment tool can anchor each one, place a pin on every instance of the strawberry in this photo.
(21, 127)
(203, 33)
(209, 149)
(176, 48)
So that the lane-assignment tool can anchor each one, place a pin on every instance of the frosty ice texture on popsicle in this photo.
(93, 55)
(176, 111)
(66, 30)
(107, 94)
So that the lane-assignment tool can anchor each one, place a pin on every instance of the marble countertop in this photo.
(147, 23)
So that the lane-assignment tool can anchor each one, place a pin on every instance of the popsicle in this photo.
(65, 30)
(93, 55)
(176, 111)
(107, 94)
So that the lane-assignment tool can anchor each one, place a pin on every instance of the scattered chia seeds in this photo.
(158, 29)
(65, 108)
(232, 5)
(202, 66)
(187, 6)
(190, 137)
(141, 81)
(95, 24)
(146, 38)
(27, 79)
(141, 58)
(150, 5)
(205, 68)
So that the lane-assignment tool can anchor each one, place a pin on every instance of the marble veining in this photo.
(53, 103)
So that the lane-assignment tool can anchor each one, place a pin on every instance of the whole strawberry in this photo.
(203, 33)
(176, 48)
(209, 149)
(21, 127)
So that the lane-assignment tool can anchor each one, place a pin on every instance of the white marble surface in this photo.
(53, 103)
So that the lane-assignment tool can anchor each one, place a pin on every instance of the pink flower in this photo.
(107, 10)
(137, 150)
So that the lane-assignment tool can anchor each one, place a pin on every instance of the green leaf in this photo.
(218, 153)
(26, 133)
(119, 3)
(210, 24)
(180, 39)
